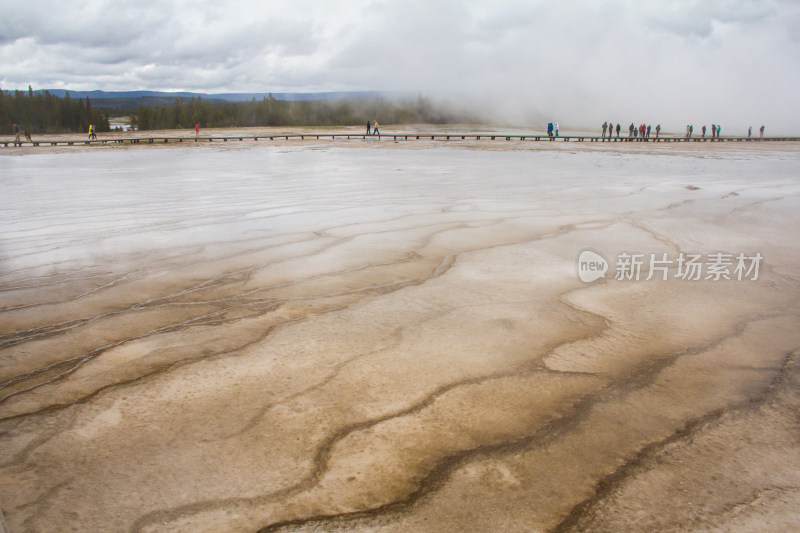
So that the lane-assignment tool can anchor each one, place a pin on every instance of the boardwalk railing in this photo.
(394, 137)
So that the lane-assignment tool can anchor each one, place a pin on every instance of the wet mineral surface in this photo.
(320, 337)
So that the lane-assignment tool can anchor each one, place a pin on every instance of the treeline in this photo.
(43, 112)
(270, 111)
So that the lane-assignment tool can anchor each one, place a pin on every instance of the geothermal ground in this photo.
(395, 337)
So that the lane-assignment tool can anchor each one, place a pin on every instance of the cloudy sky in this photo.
(580, 62)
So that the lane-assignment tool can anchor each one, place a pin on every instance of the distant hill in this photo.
(54, 111)
(133, 99)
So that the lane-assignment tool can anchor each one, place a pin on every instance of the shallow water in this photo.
(390, 338)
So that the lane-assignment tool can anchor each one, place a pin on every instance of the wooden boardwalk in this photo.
(391, 137)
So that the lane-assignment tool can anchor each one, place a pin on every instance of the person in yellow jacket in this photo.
(90, 131)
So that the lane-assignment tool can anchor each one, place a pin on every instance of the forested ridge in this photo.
(269, 111)
(42, 112)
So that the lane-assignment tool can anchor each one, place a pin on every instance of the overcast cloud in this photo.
(580, 62)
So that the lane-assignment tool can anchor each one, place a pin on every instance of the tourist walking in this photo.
(16, 135)
(704, 131)
(749, 132)
(375, 128)
(368, 128)
(618, 128)
(605, 127)
(196, 130)
(556, 129)
(761, 132)
(658, 130)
